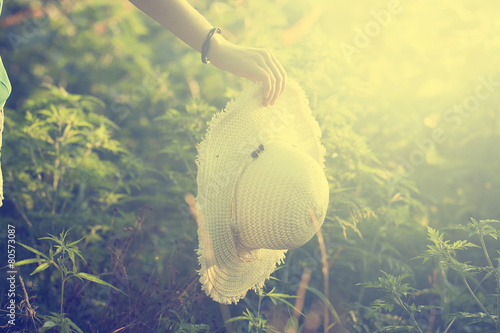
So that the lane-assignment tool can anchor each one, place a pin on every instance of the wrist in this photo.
(209, 41)
(219, 50)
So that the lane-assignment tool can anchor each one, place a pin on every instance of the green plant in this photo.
(255, 321)
(397, 294)
(389, 178)
(180, 325)
(59, 320)
(446, 254)
(65, 260)
(65, 161)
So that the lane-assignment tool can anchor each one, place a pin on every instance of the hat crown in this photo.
(281, 198)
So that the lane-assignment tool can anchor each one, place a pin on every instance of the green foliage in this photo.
(445, 253)
(107, 108)
(256, 323)
(58, 320)
(65, 163)
(396, 291)
(65, 253)
(180, 325)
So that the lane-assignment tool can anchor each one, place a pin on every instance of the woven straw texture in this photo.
(274, 196)
(251, 209)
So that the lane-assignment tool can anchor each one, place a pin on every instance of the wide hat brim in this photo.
(231, 138)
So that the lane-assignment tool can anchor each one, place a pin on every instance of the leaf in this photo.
(33, 250)
(79, 254)
(236, 319)
(75, 242)
(29, 261)
(462, 245)
(52, 238)
(388, 329)
(57, 266)
(72, 257)
(49, 324)
(277, 295)
(282, 298)
(377, 305)
(65, 327)
(428, 307)
(292, 325)
(40, 268)
(395, 198)
(95, 279)
(476, 317)
(59, 249)
(291, 305)
(330, 306)
(72, 324)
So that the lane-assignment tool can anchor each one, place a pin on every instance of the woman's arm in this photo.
(190, 26)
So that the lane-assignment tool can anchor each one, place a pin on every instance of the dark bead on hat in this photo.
(254, 154)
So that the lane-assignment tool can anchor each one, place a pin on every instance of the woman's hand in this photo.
(254, 64)
(186, 23)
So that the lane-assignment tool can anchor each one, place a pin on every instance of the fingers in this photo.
(262, 75)
(272, 76)
(279, 75)
(254, 64)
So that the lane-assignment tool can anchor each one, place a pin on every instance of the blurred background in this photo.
(101, 131)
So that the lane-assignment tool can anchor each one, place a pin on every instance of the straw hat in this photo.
(261, 190)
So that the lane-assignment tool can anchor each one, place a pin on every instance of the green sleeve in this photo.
(5, 87)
